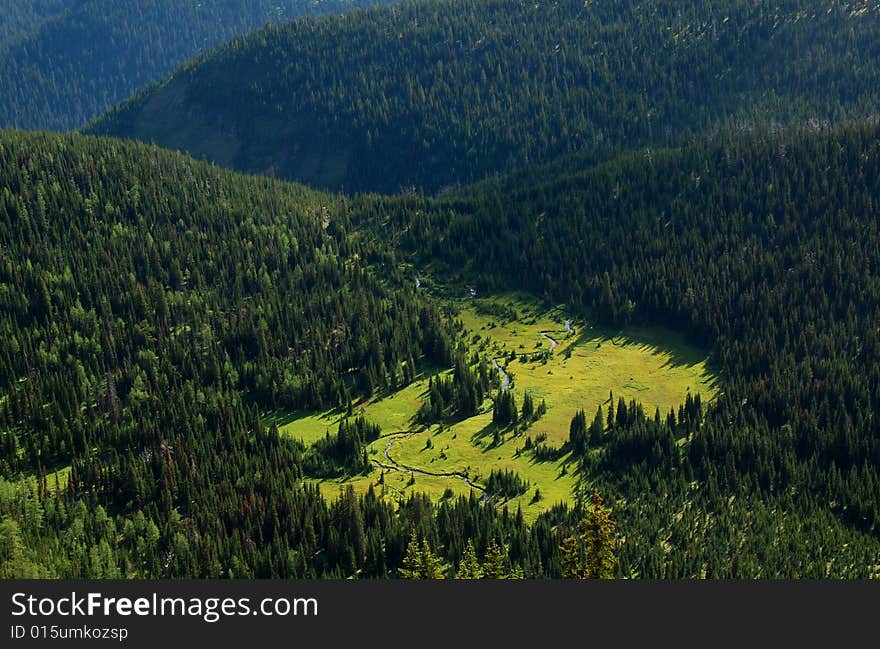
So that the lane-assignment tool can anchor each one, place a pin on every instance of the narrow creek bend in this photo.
(505, 377)
(393, 465)
(397, 466)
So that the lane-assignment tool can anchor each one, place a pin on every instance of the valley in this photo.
(568, 367)
(552, 268)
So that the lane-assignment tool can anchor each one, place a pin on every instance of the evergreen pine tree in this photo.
(412, 561)
(420, 561)
(496, 559)
(469, 566)
(597, 427)
(589, 553)
(528, 407)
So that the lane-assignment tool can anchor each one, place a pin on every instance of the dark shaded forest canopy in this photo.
(18, 19)
(63, 62)
(428, 95)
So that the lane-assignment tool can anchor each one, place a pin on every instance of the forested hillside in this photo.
(151, 306)
(432, 94)
(766, 248)
(674, 205)
(62, 62)
(20, 18)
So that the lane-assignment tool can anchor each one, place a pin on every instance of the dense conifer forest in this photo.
(150, 307)
(63, 62)
(709, 168)
(432, 94)
(766, 248)
(148, 379)
(18, 19)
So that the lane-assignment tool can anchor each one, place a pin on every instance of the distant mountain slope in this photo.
(434, 94)
(66, 61)
(18, 17)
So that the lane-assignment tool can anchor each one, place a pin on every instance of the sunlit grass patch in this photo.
(588, 364)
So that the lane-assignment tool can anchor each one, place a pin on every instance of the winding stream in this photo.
(397, 466)
(505, 377)
(553, 343)
(393, 465)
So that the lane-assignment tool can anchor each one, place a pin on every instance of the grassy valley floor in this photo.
(585, 366)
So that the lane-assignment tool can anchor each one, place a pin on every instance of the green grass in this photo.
(651, 365)
(306, 426)
(468, 447)
(393, 412)
(396, 412)
(397, 485)
(654, 366)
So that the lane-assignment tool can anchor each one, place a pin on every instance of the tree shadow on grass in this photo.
(283, 418)
(584, 477)
(332, 416)
(489, 431)
(656, 341)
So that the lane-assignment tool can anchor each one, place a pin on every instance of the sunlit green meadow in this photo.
(654, 366)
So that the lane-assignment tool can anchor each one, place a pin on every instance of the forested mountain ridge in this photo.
(17, 19)
(765, 247)
(151, 306)
(137, 269)
(63, 62)
(432, 94)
